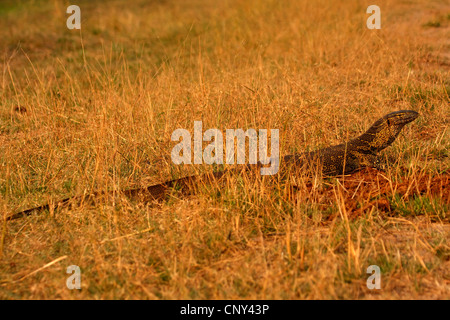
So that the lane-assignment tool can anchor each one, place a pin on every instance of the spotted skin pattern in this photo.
(360, 152)
(340, 159)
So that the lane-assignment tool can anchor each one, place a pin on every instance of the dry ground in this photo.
(95, 109)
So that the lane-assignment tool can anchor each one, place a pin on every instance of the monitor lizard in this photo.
(340, 159)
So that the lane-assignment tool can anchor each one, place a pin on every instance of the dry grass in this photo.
(95, 110)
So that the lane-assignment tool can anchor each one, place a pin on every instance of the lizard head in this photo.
(384, 131)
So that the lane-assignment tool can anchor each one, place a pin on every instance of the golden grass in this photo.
(92, 110)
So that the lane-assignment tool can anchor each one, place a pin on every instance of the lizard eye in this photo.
(388, 122)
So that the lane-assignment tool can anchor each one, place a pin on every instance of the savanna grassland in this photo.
(94, 109)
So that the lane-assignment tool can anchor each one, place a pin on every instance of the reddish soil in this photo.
(371, 188)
